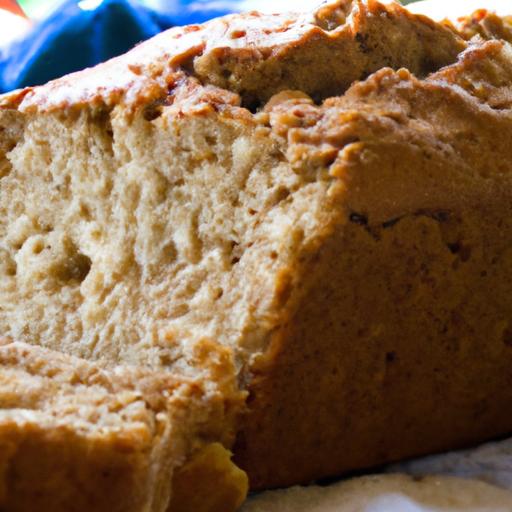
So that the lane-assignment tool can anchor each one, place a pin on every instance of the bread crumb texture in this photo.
(284, 207)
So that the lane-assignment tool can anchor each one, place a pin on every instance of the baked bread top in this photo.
(256, 55)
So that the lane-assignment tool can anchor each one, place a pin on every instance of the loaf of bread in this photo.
(288, 236)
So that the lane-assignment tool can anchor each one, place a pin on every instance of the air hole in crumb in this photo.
(319, 97)
(329, 159)
(77, 267)
(219, 293)
(235, 252)
(170, 253)
(101, 116)
(211, 140)
(226, 73)
(250, 102)
(9, 265)
(179, 310)
(152, 112)
(38, 247)
(273, 255)
(166, 358)
(252, 212)
(281, 194)
(85, 212)
(5, 168)
(96, 234)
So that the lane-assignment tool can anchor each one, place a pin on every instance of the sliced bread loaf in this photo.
(346, 246)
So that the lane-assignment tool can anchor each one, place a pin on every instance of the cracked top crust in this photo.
(256, 56)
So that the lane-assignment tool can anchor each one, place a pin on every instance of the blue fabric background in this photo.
(71, 39)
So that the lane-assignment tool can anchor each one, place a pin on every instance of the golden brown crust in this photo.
(63, 444)
(74, 436)
(244, 53)
(392, 345)
(210, 482)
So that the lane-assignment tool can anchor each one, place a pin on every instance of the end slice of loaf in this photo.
(74, 436)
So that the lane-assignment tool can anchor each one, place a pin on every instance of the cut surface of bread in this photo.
(337, 224)
(146, 212)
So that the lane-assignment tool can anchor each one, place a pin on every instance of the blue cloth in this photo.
(186, 12)
(71, 38)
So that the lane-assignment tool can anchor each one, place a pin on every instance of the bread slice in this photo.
(345, 246)
(74, 436)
